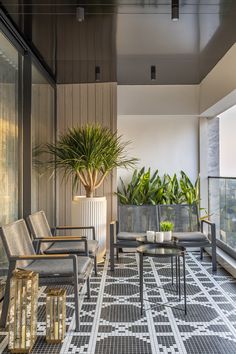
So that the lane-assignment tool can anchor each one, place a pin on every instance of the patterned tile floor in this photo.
(111, 322)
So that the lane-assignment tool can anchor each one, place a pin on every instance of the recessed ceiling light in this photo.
(80, 14)
(153, 72)
(97, 73)
(175, 10)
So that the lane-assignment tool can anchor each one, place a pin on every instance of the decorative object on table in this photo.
(55, 315)
(159, 236)
(89, 154)
(150, 236)
(167, 227)
(23, 311)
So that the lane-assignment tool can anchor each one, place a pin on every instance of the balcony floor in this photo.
(111, 322)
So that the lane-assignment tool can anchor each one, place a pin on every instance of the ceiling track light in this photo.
(153, 72)
(175, 10)
(80, 14)
(97, 73)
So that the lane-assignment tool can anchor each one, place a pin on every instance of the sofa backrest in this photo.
(184, 216)
(133, 218)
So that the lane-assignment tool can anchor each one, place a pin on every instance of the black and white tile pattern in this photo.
(111, 322)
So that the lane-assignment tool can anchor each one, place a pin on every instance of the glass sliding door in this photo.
(43, 131)
(9, 142)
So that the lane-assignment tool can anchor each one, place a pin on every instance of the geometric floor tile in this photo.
(111, 322)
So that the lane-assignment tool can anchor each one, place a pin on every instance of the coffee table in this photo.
(164, 250)
(143, 240)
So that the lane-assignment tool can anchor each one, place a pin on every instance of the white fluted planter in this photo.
(92, 212)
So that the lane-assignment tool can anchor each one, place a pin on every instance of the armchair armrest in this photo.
(64, 238)
(42, 256)
(77, 228)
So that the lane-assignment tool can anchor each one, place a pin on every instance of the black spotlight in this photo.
(80, 14)
(97, 73)
(175, 10)
(153, 72)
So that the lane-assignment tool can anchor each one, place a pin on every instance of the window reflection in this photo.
(8, 137)
(43, 131)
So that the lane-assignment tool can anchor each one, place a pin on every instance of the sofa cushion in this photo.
(72, 247)
(59, 267)
(129, 236)
(194, 236)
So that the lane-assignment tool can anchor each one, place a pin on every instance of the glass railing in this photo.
(222, 210)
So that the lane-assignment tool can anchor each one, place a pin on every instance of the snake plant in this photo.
(147, 188)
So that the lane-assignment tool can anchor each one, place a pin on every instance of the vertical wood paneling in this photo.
(83, 45)
(78, 104)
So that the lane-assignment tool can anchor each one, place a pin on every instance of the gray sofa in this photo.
(136, 220)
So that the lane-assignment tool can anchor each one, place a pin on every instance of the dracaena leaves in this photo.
(89, 154)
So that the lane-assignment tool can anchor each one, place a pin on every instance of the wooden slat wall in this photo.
(79, 104)
(83, 45)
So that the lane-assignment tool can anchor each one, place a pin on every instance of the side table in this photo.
(164, 250)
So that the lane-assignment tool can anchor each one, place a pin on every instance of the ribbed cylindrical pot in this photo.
(91, 212)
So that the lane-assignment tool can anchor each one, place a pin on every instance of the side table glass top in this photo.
(161, 250)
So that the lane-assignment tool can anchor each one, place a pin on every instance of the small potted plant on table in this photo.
(167, 227)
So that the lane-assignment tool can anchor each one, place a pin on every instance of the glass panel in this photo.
(43, 131)
(8, 137)
(222, 209)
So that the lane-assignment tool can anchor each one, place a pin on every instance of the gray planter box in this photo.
(133, 218)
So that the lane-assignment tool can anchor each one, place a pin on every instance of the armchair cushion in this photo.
(72, 247)
(129, 236)
(194, 236)
(55, 267)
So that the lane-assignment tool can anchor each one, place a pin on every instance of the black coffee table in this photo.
(142, 240)
(164, 250)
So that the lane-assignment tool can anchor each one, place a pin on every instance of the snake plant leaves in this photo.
(147, 188)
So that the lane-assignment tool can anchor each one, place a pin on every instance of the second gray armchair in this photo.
(40, 228)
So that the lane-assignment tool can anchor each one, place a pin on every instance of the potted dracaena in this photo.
(89, 154)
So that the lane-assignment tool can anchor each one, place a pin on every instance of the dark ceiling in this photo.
(125, 37)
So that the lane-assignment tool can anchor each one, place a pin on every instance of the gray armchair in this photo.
(59, 269)
(40, 228)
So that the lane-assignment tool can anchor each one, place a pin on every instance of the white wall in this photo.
(218, 88)
(228, 143)
(162, 124)
(158, 118)
(166, 143)
(158, 100)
